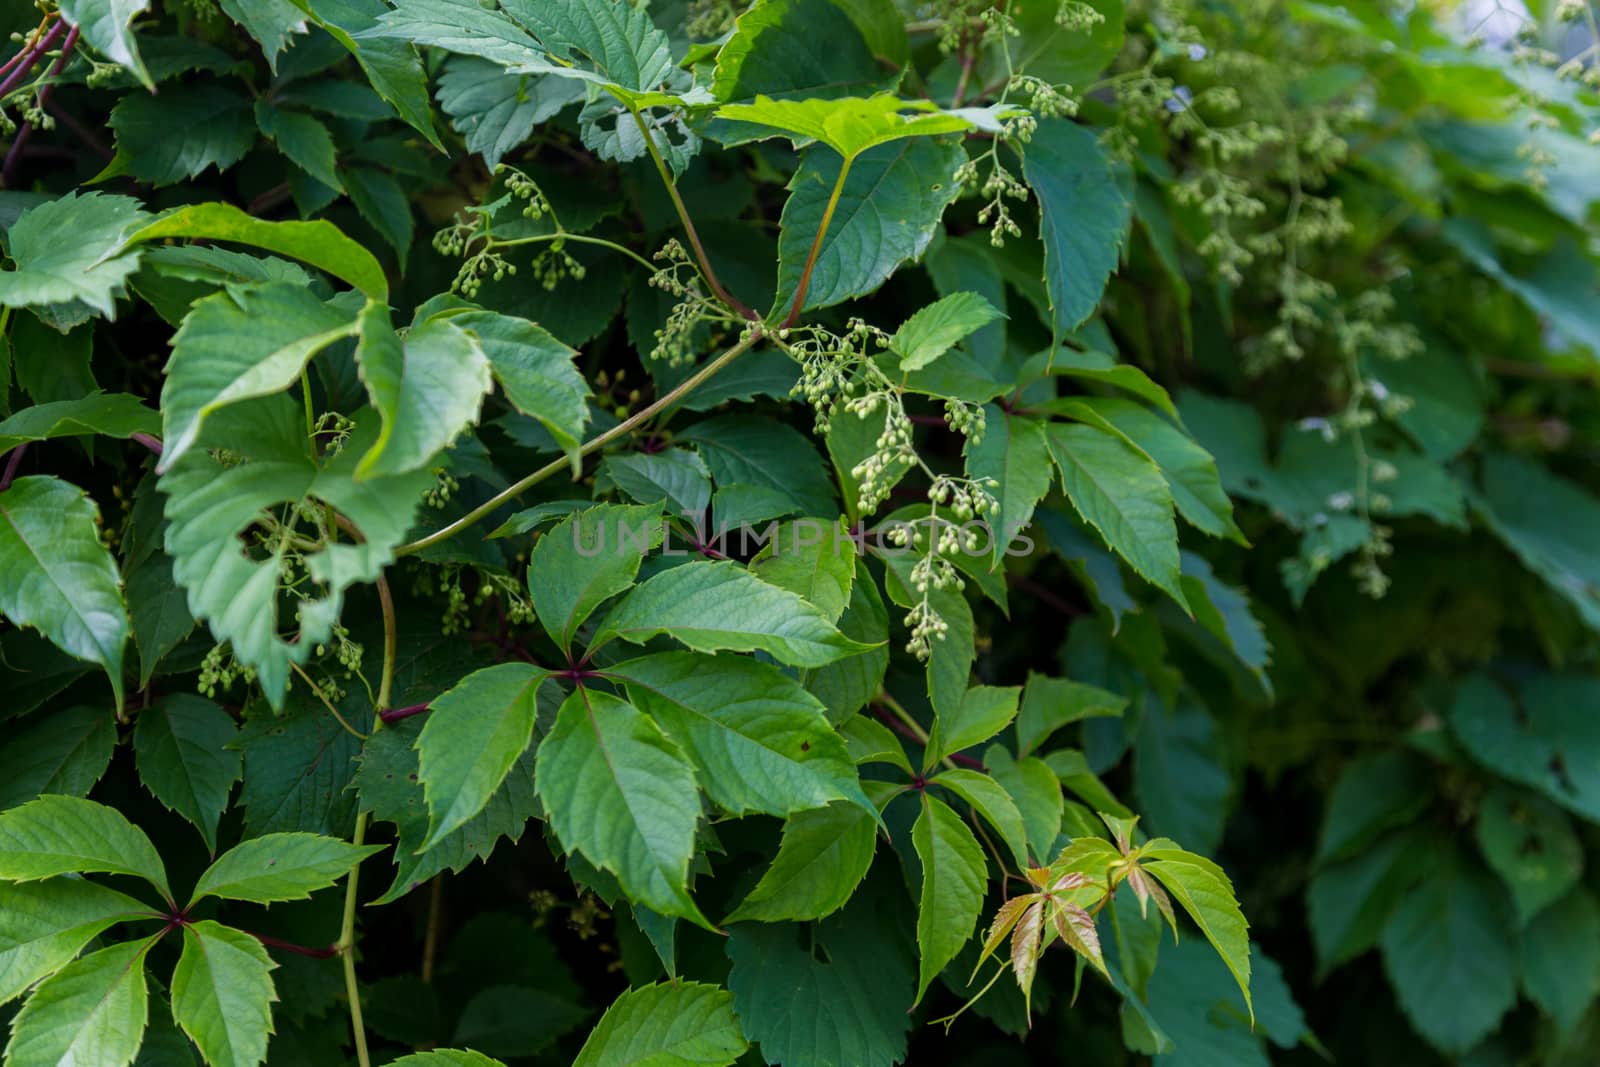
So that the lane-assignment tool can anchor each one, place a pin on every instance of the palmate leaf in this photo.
(63, 751)
(276, 867)
(68, 835)
(496, 111)
(271, 22)
(237, 345)
(105, 414)
(993, 803)
(954, 879)
(427, 388)
(822, 858)
(94, 1010)
(222, 994)
(473, 736)
(210, 506)
(107, 26)
(446, 1057)
(1015, 453)
(586, 560)
(1204, 891)
(852, 125)
(1084, 214)
(717, 606)
(681, 1024)
(537, 373)
(939, 327)
(184, 759)
(303, 138)
(183, 132)
(1051, 703)
(56, 575)
(984, 711)
(91, 269)
(887, 212)
(1121, 493)
(758, 740)
(619, 41)
(44, 925)
(814, 559)
(619, 791)
(319, 243)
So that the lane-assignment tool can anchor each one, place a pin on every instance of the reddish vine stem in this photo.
(299, 950)
(816, 246)
(29, 56)
(12, 464)
(14, 156)
(393, 715)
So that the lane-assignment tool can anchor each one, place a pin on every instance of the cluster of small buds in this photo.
(926, 626)
(101, 75)
(997, 187)
(1571, 10)
(709, 19)
(1367, 569)
(536, 205)
(332, 430)
(486, 263)
(1077, 16)
(966, 419)
(542, 902)
(1045, 101)
(1300, 296)
(463, 230)
(219, 670)
(444, 487)
(455, 617)
(997, 24)
(587, 917)
(967, 498)
(348, 653)
(892, 452)
(932, 571)
(675, 338)
(553, 265)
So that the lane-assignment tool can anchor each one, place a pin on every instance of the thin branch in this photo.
(12, 464)
(816, 246)
(515, 490)
(13, 157)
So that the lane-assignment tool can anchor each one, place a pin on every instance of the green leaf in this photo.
(1542, 739)
(318, 243)
(984, 711)
(1048, 704)
(1348, 901)
(56, 751)
(675, 477)
(91, 269)
(845, 686)
(297, 767)
(1561, 958)
(44, 925)
(1014, 452)
(496, 111)
(621, 43)
(210, 506)
(954, 879)
(391, 66)
(1182, 784)
(888, 210)
(1123, 496)
(794, 50)
(939, 327)
(1224, 613)
(814, 559)
(869, 741)
(716, 606)
(389, 788)
(240, 344)
(537, 373)
(271, 22)
(677, 1024)
(618, 791)
(1451, 957)
(92, 1011)
(853, 125)
(446, 1057)
(1542, 519)
(473, 736)
(303, 139)
(745, 450)
(993, 803)
(56, 575)
(274, 867)
(1374, 794)
(822, 858)
(179, 134)
(1035, 790)
(1200, 887)
(107, 26)
(106, 414)
(1084, 212)
(845, 1001)
(427, 398)
(184, 759)
(1530, 844)
(586, 560)
(222, 994)
(759, 742)
(1057, 50)
(1189, 469)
